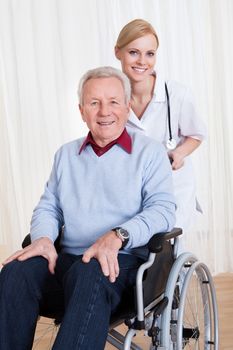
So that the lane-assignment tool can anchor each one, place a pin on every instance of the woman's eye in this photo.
(133, 52)
(151, 54)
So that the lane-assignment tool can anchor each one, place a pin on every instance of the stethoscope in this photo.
(171, 143)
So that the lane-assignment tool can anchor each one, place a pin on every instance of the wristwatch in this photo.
(122, 234)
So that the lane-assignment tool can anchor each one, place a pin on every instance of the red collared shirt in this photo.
(124, 140)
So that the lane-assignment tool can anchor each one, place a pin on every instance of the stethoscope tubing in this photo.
(171, 143)
(168, 113)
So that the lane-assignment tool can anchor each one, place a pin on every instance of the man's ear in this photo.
(128, 107)
(117, 52)
(81, 112)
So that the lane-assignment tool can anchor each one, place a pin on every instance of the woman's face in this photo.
(138, 57)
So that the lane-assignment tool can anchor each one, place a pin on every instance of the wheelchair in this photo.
(173, 303)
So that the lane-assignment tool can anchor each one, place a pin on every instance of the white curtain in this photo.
(45, 47)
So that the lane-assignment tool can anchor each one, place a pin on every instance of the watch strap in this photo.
(120, 234)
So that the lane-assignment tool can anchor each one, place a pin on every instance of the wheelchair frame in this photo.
(173, 332)
(172, 320)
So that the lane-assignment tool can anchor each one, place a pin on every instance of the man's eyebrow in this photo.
(115, 97)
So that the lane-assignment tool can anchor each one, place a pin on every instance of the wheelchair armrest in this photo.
(26, 241)
(155, 244)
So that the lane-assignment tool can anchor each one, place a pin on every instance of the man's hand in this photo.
(105, 250)
(40, 247)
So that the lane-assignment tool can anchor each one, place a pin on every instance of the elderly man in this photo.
(108, 193)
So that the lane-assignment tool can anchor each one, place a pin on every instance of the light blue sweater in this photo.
(90, 195)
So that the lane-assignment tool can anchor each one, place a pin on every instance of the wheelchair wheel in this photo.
(197, 316)
(190, 320)
(46, 331)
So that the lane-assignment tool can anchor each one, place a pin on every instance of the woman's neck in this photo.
(141, 95)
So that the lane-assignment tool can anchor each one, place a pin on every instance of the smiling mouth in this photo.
(139, 70)
(105, 123)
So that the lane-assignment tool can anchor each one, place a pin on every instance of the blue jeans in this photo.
(79, 291)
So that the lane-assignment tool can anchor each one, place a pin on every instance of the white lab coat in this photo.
(184, 122)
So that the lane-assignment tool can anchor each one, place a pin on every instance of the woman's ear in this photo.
(117, 52)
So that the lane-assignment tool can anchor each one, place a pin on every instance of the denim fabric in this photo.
(81, 289)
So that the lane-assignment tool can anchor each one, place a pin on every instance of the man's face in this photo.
(104, 109)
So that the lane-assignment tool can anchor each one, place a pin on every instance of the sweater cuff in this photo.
(44, 231)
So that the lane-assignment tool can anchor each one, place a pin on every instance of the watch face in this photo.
(124, 233)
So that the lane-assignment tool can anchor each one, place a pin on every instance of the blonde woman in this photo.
(162, 109)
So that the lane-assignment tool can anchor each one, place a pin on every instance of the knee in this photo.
(86, 282)
(85, 274)
(28, 267)
(11, 271)
(18, 275)
(89, 270)
(11, 278)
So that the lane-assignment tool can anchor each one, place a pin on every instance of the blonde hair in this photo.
(134, 30)
(105, 72)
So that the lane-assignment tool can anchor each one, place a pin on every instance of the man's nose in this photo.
(105, 109)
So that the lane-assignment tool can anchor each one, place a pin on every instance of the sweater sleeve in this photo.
(47, 219)
(158, 204)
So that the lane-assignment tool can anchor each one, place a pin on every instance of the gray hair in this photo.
(105, 72)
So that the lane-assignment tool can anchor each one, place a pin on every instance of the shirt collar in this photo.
(124, 140)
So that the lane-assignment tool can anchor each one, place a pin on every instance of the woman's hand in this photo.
(178, 155)
(176, 159)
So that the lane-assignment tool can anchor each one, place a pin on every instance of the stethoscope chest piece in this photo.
(171, 144)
